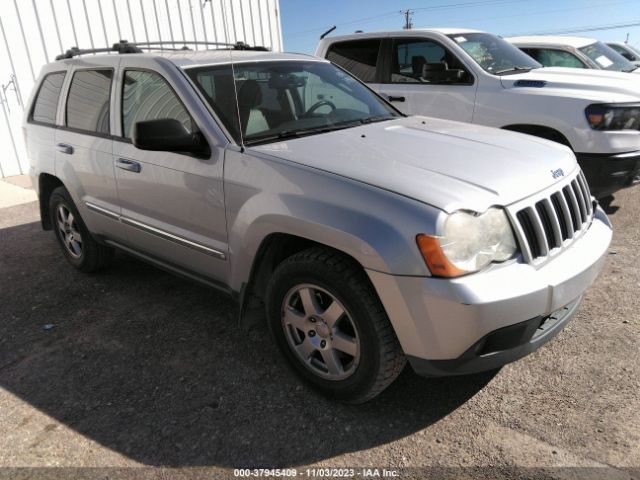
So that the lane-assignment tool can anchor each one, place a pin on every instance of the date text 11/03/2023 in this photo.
(317, 472)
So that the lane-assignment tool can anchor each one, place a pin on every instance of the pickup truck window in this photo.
(88, 101)
(358, 57)
(550, 57)
(45, 105)
(606, 58)
(494, 54)
(426, 61)
(284, 99)
(147, 96)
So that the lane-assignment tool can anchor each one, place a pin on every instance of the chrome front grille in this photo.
(554, 220)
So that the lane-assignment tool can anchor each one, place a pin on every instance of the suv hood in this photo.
(449, 165)
(595, 85)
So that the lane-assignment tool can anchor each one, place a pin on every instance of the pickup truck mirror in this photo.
(168, 134)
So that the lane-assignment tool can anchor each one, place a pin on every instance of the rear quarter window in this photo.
(359, 57)
(45, 105)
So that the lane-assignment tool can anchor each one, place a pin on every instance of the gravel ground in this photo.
(134, 367)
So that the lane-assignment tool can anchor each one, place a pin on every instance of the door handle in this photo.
(128, 165)
(393, 98)
(65, 148)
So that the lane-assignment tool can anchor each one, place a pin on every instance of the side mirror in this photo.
(168, 135)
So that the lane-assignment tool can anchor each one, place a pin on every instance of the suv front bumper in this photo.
(484, 320)
(607, 173)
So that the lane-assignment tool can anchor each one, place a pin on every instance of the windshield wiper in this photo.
(380, 118)
(513, 70)
(628, 70)
(303, 132)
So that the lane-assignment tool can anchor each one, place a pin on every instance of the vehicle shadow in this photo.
(606, 204)
(156, 368)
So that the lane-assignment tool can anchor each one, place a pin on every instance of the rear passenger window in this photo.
(358, 57)
(147, 96)
(88, 101)
(46, 102)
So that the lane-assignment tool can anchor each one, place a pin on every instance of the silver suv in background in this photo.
(364, 237)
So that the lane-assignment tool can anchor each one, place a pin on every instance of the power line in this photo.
(474, 3)
(590, 28)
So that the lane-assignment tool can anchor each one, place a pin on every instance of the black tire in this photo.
(93, 256)
(380, 356)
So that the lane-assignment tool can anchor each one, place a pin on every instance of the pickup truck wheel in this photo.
(329, 323)
(78, 246)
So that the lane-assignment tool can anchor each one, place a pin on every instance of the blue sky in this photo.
(304, 20)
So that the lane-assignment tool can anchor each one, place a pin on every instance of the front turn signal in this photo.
(435, 258)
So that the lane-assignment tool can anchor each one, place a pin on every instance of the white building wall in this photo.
(33, 32)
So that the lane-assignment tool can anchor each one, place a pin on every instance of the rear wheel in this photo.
(329, 323)
(77, 244)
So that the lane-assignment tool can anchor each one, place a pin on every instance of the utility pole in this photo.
(407, 19)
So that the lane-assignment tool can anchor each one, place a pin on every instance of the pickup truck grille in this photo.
(554, 220)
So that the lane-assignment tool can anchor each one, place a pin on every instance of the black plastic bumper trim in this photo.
(501, 346)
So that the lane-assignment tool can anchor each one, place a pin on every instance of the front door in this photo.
(172, 203)
(424, 78)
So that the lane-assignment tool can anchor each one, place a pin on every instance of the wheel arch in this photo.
(541, 131)
(47, 183)
(274, 248)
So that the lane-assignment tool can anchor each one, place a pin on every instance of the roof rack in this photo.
(124, 46)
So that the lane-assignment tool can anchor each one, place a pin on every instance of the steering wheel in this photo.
(319, 104)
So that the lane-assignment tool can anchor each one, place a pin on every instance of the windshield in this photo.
(283, 99)
(606, 58)
(494, 54)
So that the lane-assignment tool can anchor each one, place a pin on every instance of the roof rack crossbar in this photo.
(124, 46)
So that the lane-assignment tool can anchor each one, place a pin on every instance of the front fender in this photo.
(375, 227)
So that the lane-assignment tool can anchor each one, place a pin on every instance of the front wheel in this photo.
(331, 326)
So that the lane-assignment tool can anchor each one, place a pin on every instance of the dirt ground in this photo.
(134, 367)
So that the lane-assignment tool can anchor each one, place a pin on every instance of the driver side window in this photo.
(426, 61)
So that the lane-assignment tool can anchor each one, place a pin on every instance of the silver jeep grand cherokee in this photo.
(366, 237)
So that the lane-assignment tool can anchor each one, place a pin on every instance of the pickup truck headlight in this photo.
(468, 243)
(614, 116)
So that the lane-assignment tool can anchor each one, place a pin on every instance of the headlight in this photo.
(614, 117)
(469, 242)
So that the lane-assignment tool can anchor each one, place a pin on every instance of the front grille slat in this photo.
(554, 220)
(587, 194)
(554, 223)
(573, 207)
(582, 203)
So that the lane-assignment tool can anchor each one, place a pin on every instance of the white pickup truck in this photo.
(478, 77)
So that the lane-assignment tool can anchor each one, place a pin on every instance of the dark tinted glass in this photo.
(147, 96)
(358, 57)
(46, 103)
(88, 101)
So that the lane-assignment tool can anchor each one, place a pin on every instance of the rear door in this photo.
(422, 77)
(84, 149)
(172, 203)
(362, 58)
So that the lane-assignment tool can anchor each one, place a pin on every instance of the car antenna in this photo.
(327, 32)
(233, 80)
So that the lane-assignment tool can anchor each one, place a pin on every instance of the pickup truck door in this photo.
(422, 77)
(172, 203)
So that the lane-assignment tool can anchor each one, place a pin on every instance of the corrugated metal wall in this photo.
(35, 31)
